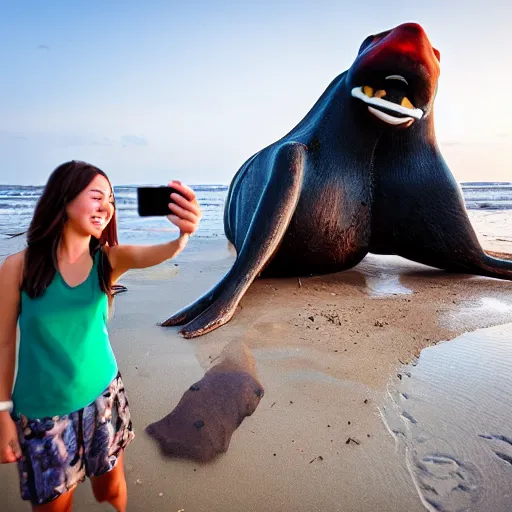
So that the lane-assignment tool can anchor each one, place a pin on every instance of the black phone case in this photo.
(154, 201)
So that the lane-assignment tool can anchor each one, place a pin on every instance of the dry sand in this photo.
(330, 352)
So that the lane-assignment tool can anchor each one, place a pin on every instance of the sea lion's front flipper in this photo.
(266, 229)
(190, 312)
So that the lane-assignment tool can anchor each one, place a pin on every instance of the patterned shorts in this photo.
(59, 452)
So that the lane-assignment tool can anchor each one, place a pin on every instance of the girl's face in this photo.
(91, 211)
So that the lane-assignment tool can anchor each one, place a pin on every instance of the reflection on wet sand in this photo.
(450, 415)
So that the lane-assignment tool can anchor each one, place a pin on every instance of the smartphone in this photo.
(154, 201)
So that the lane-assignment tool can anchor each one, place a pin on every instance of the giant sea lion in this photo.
(362, 172)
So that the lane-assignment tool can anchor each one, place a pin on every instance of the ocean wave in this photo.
(486, 184)
(17, 206)
(489, 205)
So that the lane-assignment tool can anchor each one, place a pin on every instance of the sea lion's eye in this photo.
(372, 40)
(366, 43)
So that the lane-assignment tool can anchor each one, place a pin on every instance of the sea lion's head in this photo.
(395, 75)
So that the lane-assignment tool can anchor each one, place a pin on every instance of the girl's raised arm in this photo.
(184, 213)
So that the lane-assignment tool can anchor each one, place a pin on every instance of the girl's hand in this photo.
(10, 450)
(186, 213)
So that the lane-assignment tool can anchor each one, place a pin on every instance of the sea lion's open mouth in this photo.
(388, 100)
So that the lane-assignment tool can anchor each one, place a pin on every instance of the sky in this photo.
(152, 91)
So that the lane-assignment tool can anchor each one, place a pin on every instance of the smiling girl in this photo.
(67, 416)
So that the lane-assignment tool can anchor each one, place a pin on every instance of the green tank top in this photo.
(65, 359)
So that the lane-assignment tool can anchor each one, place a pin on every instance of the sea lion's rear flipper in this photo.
(453, 246)
(500, 255)
(269, 221)
(419, 213)
(497, 267)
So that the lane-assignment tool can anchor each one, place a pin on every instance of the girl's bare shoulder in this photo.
(13, 266)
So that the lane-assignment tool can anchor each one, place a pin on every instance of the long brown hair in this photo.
(45, 230)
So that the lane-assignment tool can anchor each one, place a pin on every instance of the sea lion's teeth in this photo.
(380, 93)
(383, 103)
(406, 103)
(407, 121)
(368, 91)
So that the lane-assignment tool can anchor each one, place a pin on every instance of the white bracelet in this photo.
(6, 406)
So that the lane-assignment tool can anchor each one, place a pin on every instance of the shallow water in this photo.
(382, 275)
(470, 313)
(451, 416)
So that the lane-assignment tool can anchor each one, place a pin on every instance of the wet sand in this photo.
(332, 352)
(451, 418)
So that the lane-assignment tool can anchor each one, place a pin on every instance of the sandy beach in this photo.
(339, 357)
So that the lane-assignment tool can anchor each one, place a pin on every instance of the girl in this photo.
(70, 416)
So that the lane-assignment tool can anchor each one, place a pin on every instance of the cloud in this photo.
(103, 142)
(85, 140)
(43, 47)
(133, 140)
(75, 140)
(4, 134)
(71, 140)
